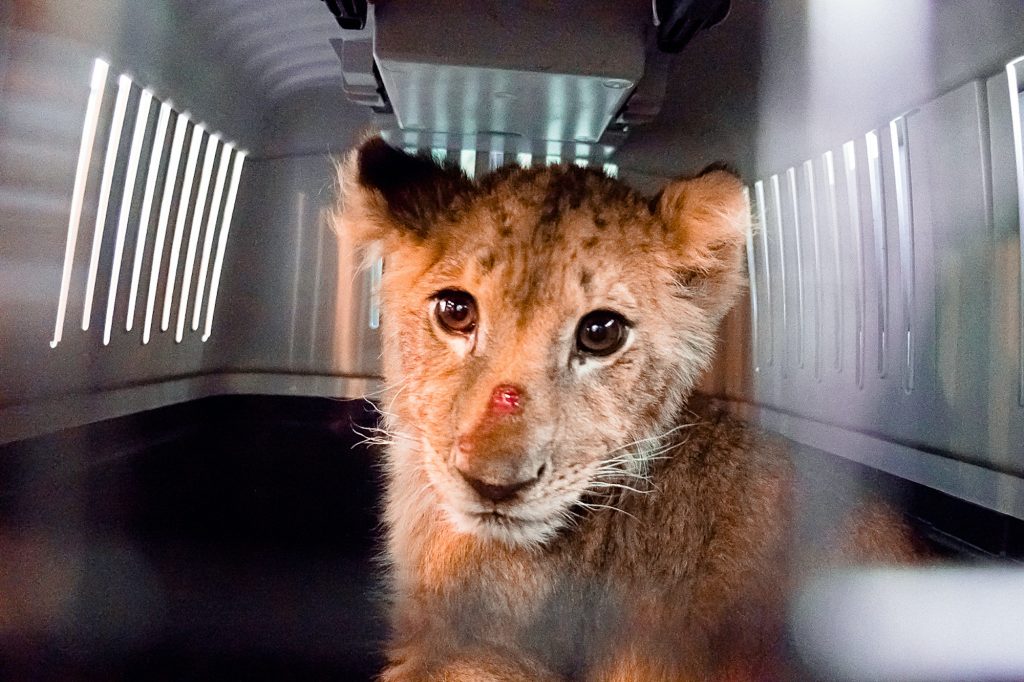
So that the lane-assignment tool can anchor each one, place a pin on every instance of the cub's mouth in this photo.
(509, 528)
(527, 515)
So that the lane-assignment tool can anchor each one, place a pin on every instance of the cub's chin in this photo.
(505, 526)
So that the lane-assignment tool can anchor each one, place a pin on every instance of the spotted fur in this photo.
(653, 544)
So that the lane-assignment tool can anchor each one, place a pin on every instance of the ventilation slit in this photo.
(779, 234)
(156, 156)
(838, 288)
(853, 201)
(819, 301)
(179, 226)
(128, 192)
(222, 240)
(124, 87)
(92, 116)
(198, 213)
(905, 215)
(170, 181)
(762, 226)
(211, 228)
(798, 235)
(881, 246)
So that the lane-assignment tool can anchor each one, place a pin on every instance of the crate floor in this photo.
(229, 538)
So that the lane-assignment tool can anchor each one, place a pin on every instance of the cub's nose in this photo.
(496, 492)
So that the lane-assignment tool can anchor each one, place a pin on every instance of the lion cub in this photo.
(556, 506)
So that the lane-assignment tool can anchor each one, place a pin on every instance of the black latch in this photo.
(351, 14)
(679, 20)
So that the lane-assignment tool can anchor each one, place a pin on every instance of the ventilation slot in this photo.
(813, 210)
(752, 279)
(799, 264)
(776, 206)
(857, 225)
(92, 116)
(881, 246)
(762, 228)
(138, 164)
(838, 321)
(905, 217)
(816, 286)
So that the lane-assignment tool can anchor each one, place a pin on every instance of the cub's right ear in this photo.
(387, 194)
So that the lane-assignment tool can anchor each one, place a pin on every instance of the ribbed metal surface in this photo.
(901, 238)
(133, 155)
(280, 47)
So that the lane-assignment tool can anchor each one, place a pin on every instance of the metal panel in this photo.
(916, 230)
(55, 125)
(535, 85)
(296, 297)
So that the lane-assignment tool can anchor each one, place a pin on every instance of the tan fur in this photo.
(655, 543)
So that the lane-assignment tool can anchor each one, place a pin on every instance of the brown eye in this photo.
(601, 332)
(455, 311)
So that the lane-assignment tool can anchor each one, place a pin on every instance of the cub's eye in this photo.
(455, 311)
(601, 332)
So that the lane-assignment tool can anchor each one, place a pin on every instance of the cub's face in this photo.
(542, 328)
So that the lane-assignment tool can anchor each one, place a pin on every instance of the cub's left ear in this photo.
(394, 197)
(707, 218)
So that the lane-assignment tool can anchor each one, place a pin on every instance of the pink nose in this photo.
(506, 399)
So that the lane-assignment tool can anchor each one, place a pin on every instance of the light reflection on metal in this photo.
(193, 237)
(467, 161)
(752, 284)
(92, 115)
(376, 276)
(314, 324)
(762, 228)
(298, 272)
(211, 228)
(905, 215)
(179, 224)
(127, 193)
(933, 623)
(142, 233)
(222, 239)
(816, 286)
(799, 265)
(525, 160)
(780, 236)
(611, 170)
(124, 87)
(1015, 76)
(129, 157)
(170, 180)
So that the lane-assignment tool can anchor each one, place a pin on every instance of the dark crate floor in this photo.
(227, 538)
(235, 538)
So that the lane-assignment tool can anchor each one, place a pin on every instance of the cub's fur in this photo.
(596, 522)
